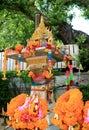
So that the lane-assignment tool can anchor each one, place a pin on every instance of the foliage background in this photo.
(15, 28)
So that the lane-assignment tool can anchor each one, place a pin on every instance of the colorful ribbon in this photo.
(87, 118)
(27, 102)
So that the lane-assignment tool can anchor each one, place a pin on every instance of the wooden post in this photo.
(37, 19)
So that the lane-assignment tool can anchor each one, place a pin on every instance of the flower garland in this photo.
(68, 109)
(30, 48)
(27, 112)
(45, 74)
(14, 103)
(5, 63)
(19, 65)
(18, 49)
(15, 65)
(40, 78)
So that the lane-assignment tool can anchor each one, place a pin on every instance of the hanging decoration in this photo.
(69, 70)
(18, 49)
(15, 65)
(19, 65)
(50, 65)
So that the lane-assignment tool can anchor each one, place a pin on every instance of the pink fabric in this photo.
(29, 101)
(37, 76)
(40, 115)
(86, 120)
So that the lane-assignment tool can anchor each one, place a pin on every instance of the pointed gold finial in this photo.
(42, 32)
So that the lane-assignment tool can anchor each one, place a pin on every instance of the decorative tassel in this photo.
(63, 51)
(50, 61)
(69, 70)
(19, 65)
(56, 50)
(67, 84)
(50, 55)
(67, 87)
(71, 76)
(71, 82)
(86, 120)
(71, 73)
(15, 65)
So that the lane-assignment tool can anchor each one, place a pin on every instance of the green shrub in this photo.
(85, 91)
(5, 95)
(6, 92)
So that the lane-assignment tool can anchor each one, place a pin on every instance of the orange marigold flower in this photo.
(30, 74)
(69, 107)
(26, 55)
(42, 124)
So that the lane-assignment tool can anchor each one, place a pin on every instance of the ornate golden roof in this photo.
(42, 32)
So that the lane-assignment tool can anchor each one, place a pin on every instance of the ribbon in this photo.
(26, 116)
(34, 83)
(71, 76)
(27, 102)
(67, 82)
(19, 58)
(33, 89)
(40, 113)
(50, 55)
(63, 52)
(36, 76)
(87, 118)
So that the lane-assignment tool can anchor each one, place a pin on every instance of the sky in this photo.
(79, 23)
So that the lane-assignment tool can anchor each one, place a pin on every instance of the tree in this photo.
(17, 19)
(15, 25)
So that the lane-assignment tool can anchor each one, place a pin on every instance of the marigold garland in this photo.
(14, 103)
(27, 112)
(18, 48)
(5, 63)
(68, 109)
